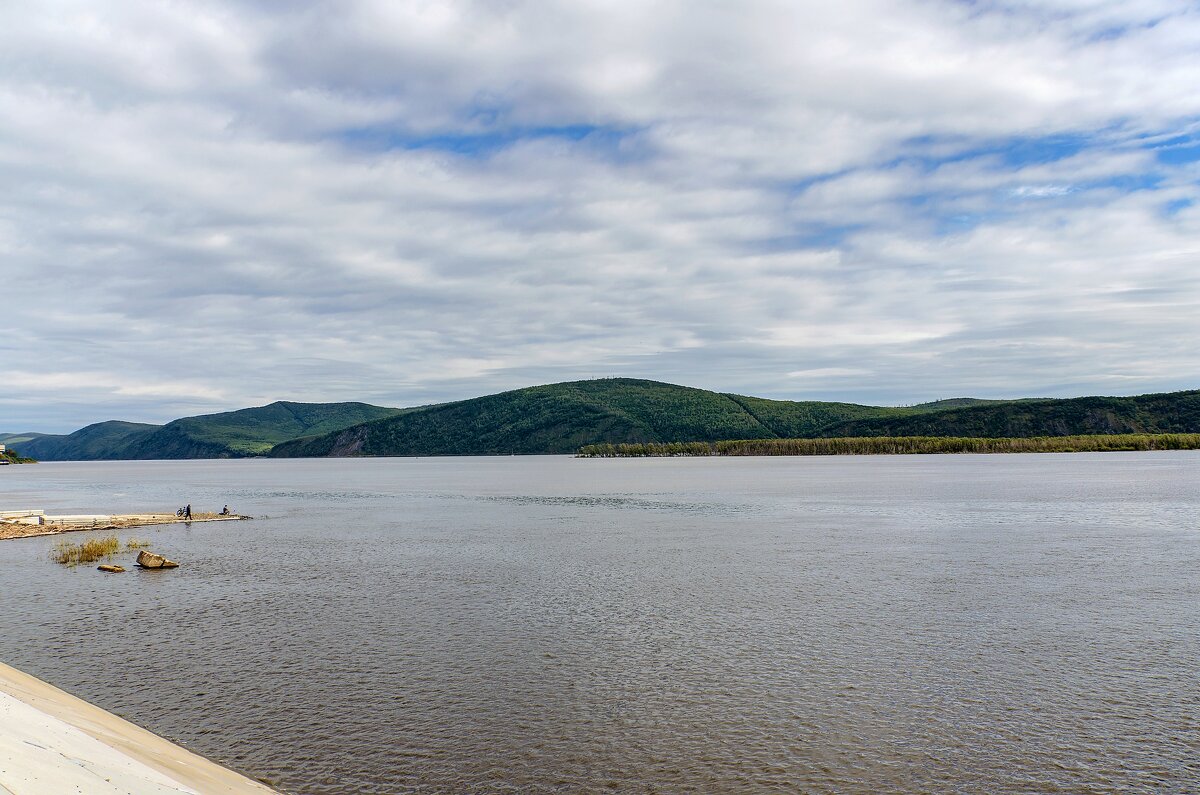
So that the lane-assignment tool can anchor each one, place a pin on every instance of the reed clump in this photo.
(648, 450)
(89, 551)
(136, 543)
(902, 445)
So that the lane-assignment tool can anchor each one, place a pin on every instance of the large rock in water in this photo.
(148, 560)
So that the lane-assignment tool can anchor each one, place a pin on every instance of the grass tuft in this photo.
(136, 543)
(89, 551)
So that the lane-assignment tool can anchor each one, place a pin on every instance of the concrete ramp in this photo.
(53, 743)
(40, 754)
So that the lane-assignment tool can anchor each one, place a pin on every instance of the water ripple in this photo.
(547, 625)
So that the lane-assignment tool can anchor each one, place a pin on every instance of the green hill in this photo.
(956, 403)
(102, 440)
(231, 434)
(1175, 412)
(559, 418)
(248, 432)
(18, 438)
(786, 419)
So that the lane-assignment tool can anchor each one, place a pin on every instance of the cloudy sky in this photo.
(211, 205)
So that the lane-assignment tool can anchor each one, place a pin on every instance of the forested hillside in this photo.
(232, 434)
(1174, 412)
(561, 418)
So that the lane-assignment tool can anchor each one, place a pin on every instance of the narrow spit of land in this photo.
(24, 524)
(900, 445)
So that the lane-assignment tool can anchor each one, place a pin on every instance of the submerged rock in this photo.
(149, 560)
(111, 567)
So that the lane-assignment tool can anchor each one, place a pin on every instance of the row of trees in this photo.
(901, 445)
(648, 450)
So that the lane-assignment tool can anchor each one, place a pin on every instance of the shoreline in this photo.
(55, 525)
(52, 741)
(898, 445)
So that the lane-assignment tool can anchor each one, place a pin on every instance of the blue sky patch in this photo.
(1178, 155)
(483, 143)
(808, 236)
(1015, 152)
(1127, 183)
(1036, 151)
(1175, 206)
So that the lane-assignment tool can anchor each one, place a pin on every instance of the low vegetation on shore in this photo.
(901, 445)
(11, 457)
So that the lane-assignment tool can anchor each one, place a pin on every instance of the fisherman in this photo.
(225, 511)
(187, 512)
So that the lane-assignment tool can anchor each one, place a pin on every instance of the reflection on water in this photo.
(622, 501)
(933, 624)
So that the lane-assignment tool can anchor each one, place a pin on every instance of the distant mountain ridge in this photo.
(230, 434)
(99, 441)
(560, 418)
(18, 438)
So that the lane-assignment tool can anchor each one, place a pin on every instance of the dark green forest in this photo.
(1175, 412)
(900, 445)
(559, 418)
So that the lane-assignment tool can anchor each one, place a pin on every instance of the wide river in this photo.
(941, 624)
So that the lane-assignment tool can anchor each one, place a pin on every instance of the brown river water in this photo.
(940, 624)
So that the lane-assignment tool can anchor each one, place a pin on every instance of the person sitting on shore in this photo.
(225, 511)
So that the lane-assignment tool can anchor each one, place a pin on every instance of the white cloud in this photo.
(221, 204)
(1040, 191)
(829, 372)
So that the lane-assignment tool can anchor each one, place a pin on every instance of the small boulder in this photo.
(112, 567)
(149, 560)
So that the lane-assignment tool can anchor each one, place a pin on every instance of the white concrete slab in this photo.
(52, 743)
(41, 755)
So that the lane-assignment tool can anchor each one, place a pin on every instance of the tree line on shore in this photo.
(11, 456)
(899, 445)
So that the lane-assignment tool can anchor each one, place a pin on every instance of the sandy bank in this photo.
(53, 525)
(52, 742)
